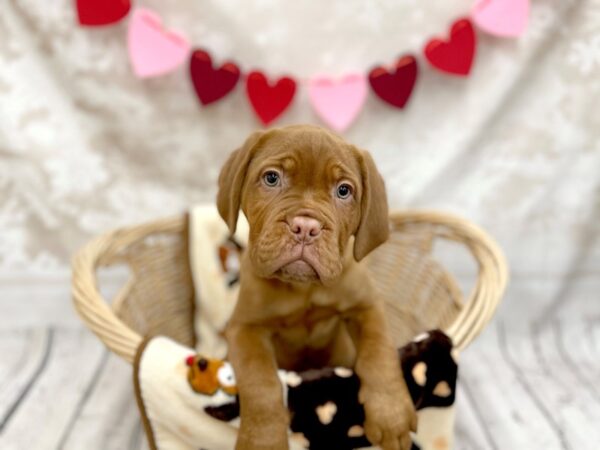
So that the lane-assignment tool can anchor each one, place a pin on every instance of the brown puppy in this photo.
(304, 300)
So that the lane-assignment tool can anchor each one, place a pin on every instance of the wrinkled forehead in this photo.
(308, 152)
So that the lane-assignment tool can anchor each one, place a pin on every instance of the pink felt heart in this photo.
(152, 49)
(506, 18)
(338, 102)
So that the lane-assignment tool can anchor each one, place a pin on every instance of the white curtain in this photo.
(515, 147)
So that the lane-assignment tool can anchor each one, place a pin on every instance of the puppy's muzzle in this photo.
(305, 229)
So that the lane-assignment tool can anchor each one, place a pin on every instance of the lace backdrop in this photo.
(85, 146)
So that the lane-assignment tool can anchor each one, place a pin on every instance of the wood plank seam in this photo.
(84, 398)
(479, 415)
(528, 389)
(39, 369)
(572, 365)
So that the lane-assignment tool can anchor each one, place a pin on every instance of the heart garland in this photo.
(395, 87)
(506, 18)
(209, 83)
(338, 102)
(92, 13)
(454, 56)
(269, 100)
(154, 51)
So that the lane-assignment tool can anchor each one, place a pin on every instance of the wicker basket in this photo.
(158, 299)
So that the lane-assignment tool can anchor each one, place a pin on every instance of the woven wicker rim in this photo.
(104, 250)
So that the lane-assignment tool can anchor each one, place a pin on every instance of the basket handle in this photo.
(93, 309)
(121, 339)
(492, 270)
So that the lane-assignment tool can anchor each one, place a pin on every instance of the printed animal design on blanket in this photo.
(324, 403)
(206, 376)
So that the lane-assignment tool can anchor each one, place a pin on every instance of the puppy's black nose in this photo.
(202, 364)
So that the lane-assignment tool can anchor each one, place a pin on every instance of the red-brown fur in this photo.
(309, 304)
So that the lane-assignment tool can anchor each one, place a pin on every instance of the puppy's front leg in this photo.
(264, 418)
(389, 411)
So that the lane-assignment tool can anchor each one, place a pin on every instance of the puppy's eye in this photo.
(271, 178)
(344, 191)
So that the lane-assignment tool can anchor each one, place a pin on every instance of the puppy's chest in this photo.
(313, 323)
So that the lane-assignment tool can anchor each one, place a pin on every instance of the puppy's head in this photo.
(305, 192)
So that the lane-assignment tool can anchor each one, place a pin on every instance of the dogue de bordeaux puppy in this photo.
(316, 206)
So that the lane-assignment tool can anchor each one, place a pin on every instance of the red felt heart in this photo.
(101, 12)
(212, 84)
(269, 102)
(455, 56)
(395, 86)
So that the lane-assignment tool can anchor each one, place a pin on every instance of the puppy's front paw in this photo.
(389, 418)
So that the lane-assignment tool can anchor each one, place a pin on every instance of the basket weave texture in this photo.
(418, 292)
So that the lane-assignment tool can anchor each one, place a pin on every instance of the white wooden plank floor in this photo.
(525, 384)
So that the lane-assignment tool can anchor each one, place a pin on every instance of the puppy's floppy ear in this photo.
(373, 229)
(231, 180)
